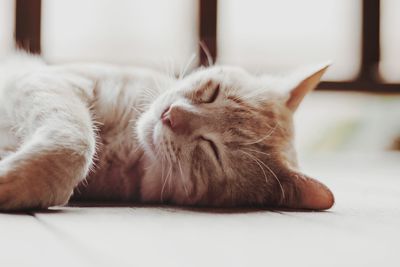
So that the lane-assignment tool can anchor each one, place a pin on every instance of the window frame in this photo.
(27, 36)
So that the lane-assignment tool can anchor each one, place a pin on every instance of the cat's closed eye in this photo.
(212, 146)
(210, 93)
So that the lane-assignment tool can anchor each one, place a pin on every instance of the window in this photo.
(6, 26)
(270, 35)
(390, 41)
(151, 32)
(360, 37)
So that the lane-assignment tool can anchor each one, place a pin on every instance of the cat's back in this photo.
(114, 94)
(23, 66)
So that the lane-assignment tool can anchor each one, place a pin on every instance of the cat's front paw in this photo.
(29, 188)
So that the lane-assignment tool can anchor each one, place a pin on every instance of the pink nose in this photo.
(175, 118)
(166, 117)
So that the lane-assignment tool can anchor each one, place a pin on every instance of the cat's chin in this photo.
(156, 138)
(145, 133)
(151, 136)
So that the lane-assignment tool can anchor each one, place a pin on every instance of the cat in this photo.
(218, 137)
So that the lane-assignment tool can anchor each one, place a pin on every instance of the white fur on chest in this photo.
(8, 141)
(119, 97)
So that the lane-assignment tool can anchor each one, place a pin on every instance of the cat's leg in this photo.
(57, 144)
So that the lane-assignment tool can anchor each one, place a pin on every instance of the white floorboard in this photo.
(363, 228)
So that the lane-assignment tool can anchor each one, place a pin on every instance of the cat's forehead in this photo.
(223, 74)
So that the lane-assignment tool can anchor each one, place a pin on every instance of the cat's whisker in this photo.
(168, 156)
(169, 67)
(78, 190)
(183, 180)
(170, 178)
(187, 66)
(165, 67)
(167, 180)
(167, 160)
(158, 85)
(276, 178)
(163, 179)
(133, 152)
(149, 92)
(263, 138)
(137, 111)
(158, 152)
(172, 68)
(143, 106)
(256, 161)
(97, 123)
(272, 172)
(155, 163)
(85, 182)
(207, 53)
(258, 151)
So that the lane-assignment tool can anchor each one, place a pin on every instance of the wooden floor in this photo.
(362, 229)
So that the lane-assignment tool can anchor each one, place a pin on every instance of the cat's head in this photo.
(223, 137)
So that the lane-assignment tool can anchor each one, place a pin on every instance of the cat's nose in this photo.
(165, 117)
(175, 118)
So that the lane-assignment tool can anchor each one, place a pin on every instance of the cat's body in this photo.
(123, 134)
(113, 95)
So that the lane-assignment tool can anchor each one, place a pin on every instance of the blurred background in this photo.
(347, 130)
(360, 37)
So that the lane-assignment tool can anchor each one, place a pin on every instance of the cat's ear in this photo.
(303, 192)
(309, 80)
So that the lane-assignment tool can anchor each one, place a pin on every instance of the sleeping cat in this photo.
(219, 137)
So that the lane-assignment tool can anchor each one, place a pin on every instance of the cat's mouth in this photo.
(154, 132)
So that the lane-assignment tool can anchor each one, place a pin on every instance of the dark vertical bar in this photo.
(370, 40)
(27, 25)
(208, 29)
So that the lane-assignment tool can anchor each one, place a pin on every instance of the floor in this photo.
(362, 229)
